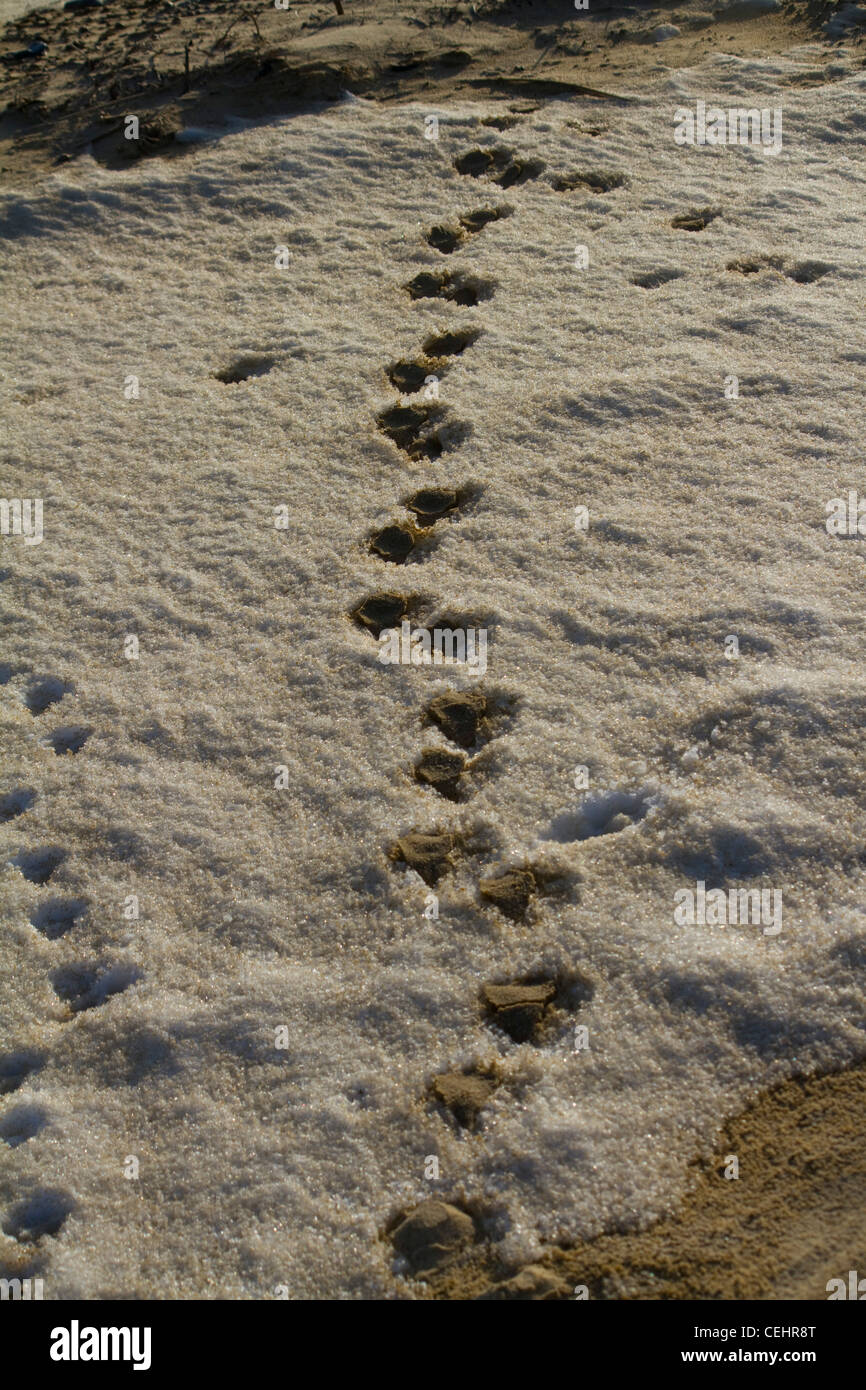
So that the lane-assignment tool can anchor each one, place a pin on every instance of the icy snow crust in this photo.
(260, 907)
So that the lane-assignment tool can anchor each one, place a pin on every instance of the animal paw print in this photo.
(252, 364)
(430, 853)
(457, 286)
(409, 377)
(510, 892)
(22, 1123)
(654, 279)
(38, 865)
(41, 1214)
(451, 343)
(89, 984)
(45, 692)
(696, 220)
(16, 802)
(421, 431)
(595, 180)
(433, 361)
(431, 1236)
(382, 611)
(501, 122)
(527, 1010)
(57, 916)
(395, 542)
(465, 717)
(606, 813)
(15, 1068)
(441, 769)
(400, 539)
(801, 272)
(501, 166)
(446, 237)
(519, 1008)
(464, 1094)
(69, 738)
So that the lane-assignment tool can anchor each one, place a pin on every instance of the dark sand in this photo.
(181, 63)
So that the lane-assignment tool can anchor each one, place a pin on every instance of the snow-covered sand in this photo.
(13, 9)
(262, 1166)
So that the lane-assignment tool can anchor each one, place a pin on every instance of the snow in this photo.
(262, 908)
(848, 17)
(745, 8)
(14, 9)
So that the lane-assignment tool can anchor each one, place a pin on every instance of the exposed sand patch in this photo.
(187, 72)
(794, 1219)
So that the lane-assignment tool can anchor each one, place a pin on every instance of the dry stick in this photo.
(186, 67)
(544, 55)
(243, 15)
(227, 32)
(339, 5)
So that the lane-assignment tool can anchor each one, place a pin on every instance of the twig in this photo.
(544, 55)
(244, 14)
(227, 32)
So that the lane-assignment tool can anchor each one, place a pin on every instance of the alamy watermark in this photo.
(738, 125)
(20, 1290)
(736, 907)
(77, 1343)
(846, 516)
(854, 1289)
(22, 516)
(439, 646)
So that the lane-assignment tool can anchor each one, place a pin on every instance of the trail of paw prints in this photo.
(435, 1239)
(801, 272)
(439, 1233)
(467, 719)
(506, 168)
(55, 916)
(516, 1012)
(78, 985)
